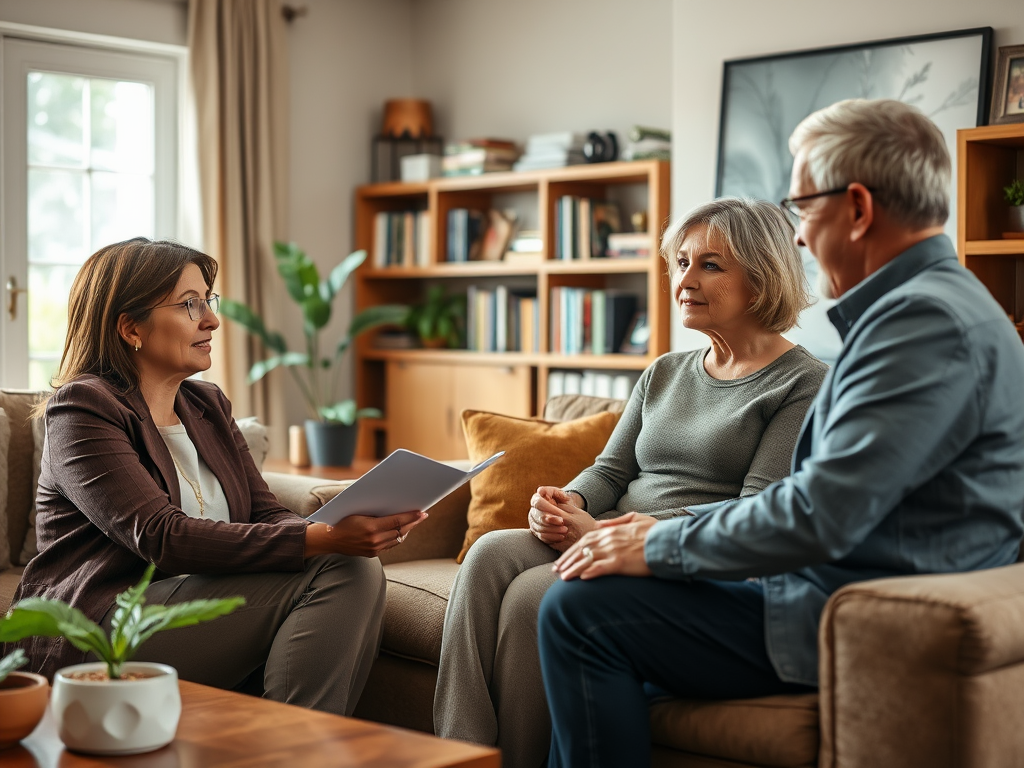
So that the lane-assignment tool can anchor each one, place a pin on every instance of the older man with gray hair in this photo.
(911, 461)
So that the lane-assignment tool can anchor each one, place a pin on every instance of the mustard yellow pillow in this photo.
(536, 453)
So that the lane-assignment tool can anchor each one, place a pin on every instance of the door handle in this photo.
(12, 293)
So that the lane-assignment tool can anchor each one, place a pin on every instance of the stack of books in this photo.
(648, 144)
(401, 239)
(475, 156)
(596, 383)
(552, 150)
(629, 245)
(502, 320)
(583, 226)
(589, 321)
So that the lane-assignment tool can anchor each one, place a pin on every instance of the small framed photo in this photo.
(637, 335)
(1008, 88)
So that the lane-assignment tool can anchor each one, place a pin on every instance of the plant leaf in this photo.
(343, 412)
(124, 624)
(253, 323)
(339, 275)
(368, 413)
(263, 367)
(156, 618)
(316, 312)
(11, 662)
(298, 270)
(43, 617)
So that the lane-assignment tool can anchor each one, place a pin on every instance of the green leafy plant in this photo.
(314, 298)
(11, 662)
(1015, 192)
(438, 320)
(133, 622)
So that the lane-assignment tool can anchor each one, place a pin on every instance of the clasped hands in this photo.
(589, 548)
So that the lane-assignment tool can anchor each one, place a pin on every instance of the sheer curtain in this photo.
(238, 58)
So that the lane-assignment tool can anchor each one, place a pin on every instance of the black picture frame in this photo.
(765, 97)
(637, 335)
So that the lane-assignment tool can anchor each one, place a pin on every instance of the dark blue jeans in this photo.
(601, 641)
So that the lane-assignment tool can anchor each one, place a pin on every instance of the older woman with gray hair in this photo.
(705, 425)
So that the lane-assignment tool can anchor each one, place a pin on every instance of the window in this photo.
(89, 158)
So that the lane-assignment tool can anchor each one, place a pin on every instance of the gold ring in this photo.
(588, 553)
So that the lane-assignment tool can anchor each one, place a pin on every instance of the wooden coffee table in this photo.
(227, 729)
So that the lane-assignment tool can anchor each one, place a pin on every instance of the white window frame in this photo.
(90, 56)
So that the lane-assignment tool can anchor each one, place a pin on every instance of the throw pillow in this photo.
(536, 453)
(256, 438)
(5, 440)
(31, 548)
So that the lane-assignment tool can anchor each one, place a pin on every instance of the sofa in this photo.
(915, 671)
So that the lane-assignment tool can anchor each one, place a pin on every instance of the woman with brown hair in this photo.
(143, 463)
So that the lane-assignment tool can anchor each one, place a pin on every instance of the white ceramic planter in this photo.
(116, 717)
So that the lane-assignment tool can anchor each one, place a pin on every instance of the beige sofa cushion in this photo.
(31, 548)
(771, 731)
(20, 486)
(417, 598)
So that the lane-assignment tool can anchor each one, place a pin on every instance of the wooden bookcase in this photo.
(423, 392)
(988, 159)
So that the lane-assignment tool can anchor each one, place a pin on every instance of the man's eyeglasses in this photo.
(789, 205)
(196, 306)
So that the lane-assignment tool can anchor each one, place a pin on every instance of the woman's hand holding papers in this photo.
(557, 517)
(614, 547)
(361, 535)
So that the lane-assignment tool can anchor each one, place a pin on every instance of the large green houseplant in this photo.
(331, 430)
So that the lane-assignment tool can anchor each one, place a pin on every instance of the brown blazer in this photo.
(108, 503)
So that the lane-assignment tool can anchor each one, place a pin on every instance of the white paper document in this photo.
(403, 482)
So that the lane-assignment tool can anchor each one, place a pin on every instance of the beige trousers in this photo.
(316, 631)
(489, 685)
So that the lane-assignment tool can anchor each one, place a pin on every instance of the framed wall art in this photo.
(764, 98)
(1008, 88)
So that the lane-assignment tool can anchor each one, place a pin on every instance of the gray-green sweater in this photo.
(686, 438)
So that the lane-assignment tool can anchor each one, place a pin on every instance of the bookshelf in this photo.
(422, 392)
(988, 159)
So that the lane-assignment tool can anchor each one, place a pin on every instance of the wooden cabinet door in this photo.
(425, 402)
(419, 410)
(504, 389)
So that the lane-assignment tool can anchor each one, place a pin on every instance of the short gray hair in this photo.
(886, 145)
(760, 237)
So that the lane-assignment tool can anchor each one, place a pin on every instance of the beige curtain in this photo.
(239, 78)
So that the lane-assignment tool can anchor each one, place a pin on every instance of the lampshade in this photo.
(407, 117)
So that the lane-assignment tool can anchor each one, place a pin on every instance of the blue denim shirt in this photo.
(911, 458)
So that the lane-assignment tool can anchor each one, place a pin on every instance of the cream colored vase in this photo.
(116, 717)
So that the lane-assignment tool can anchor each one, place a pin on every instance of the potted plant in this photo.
(438, 321)
(23, 697)
(114, 706)
(331, 432)
(1015, 197)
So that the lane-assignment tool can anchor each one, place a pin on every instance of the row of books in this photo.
(466, 228)
(502, 320)
(595, 383)
(590, 321)
(401, 238)
(582, 227)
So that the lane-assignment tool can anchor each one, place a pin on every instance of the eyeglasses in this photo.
(196, 306)
(789, 205)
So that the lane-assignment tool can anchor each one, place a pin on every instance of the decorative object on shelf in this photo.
(1015, 197)
(637, 336)
(1008, 86)
(500, 227)
(601, 147)
(764, 98)
(420, 167)
(407, 130)
(298, 448)
(320, 381)
(114, 706)
(440, 319)
(23, 699)
(648, 144)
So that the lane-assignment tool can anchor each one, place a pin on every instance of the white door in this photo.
(89, 157)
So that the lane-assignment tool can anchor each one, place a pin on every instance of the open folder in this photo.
(403, 482)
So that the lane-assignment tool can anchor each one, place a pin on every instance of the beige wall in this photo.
(160, 21)
(704, 35)
(511, 69)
